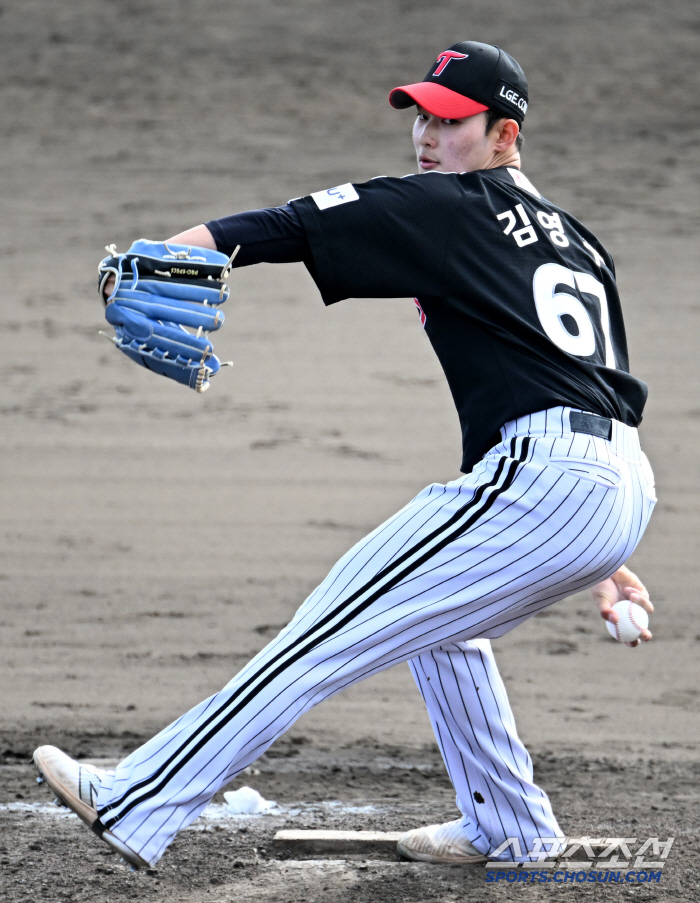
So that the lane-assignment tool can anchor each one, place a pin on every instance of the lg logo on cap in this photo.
(512, 96)
(445, 57)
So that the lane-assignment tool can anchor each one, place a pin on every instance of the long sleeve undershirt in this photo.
(270, 235)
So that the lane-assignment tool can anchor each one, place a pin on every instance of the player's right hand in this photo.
(623, 584)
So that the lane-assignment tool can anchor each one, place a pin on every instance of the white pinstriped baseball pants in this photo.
(544, 514)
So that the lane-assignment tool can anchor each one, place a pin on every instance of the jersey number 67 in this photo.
(552, 306)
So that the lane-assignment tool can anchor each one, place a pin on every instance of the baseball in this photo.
(632, 619)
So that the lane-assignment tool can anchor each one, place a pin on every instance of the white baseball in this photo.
(631, 620)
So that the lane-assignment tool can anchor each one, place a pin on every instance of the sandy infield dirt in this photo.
(154, 539)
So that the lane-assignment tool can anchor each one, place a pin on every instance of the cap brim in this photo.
(436, 99)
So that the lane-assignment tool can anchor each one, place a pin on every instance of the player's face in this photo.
(451, 145)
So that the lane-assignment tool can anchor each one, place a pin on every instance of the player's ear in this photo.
(506, 132)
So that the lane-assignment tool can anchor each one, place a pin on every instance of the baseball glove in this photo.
(164, 303)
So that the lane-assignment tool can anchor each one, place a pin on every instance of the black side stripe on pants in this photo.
(301, 644)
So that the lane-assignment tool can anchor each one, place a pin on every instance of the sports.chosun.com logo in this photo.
(581, 860)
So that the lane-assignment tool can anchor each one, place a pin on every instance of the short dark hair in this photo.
(492, 117)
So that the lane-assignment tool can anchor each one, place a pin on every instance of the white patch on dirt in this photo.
(246, 801)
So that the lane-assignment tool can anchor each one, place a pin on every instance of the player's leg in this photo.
(487, 763)
(477, 734)
(469, 559)
(270, 702)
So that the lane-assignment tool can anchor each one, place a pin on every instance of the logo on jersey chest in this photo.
(510, 95)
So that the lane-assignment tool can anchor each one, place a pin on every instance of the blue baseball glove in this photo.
(164, 303)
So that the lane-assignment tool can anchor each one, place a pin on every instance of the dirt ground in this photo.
(155, 539)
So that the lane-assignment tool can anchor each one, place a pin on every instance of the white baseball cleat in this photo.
(77, 786)
(439, 843)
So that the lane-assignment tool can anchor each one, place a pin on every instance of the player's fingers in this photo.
(605, 595)
(607, 614)
(108, 287)
(644, 637)
(624, 577)
(641, 598)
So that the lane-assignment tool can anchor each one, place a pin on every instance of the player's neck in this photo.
(510, 157)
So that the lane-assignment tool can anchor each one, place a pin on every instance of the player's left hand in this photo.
(622, 585)
(163, 300)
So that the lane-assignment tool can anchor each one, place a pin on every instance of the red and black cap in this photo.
(466, 79)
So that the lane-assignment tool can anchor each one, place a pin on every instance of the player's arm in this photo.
(270, 235)
(199, 236)
(622, 585)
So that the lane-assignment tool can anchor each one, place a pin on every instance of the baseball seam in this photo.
(630, 611)
(617, 632)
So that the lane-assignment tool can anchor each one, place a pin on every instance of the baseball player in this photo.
(519, 302)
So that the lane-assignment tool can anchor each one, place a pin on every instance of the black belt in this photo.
(593, 424)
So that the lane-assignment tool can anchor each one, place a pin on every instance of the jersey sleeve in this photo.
(386, 238)
(270, 235)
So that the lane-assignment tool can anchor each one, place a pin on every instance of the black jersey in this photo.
(517, 297)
